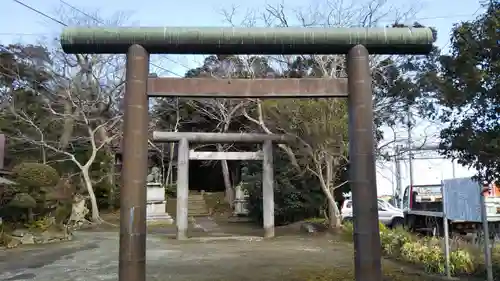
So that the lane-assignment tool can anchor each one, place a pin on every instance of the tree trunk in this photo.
(168, 174)
(169, 177)
(227, 179)
(334, 218)
(227, 183)
(110, 177)
(44, 154)
(68, 125)
(112, 186)
(334, 214)
(93, 200)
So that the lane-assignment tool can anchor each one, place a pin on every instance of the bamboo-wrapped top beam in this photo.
(228, 40)
(200, 137)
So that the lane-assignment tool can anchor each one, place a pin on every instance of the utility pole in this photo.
(399, 186)
(410, 144)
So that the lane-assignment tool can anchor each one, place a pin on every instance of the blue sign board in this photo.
(461, 199)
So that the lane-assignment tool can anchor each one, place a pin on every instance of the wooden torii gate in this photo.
(139, 42)
(185, 154)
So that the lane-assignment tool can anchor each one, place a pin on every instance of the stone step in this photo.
(197, 207)
(198, 215)
(191, 204)
(192, 214)
(196, 203)
(197, 211)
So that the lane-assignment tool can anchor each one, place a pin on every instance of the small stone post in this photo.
(268, 189)
(182, 189)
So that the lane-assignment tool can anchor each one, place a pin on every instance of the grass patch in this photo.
(390, 271)
(317, 220)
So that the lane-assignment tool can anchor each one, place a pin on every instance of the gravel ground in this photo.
(93, 256)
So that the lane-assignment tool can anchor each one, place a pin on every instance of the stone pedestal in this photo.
(156, 204)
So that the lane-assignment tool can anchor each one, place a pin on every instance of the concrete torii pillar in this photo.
(182, 189)
(268, 189)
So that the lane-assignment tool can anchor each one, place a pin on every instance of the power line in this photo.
(101, 22)
(80, 11)
(22, 34)
(160, 67)
(473, 14)
(97, 20)
(39, 12)
(64, 24)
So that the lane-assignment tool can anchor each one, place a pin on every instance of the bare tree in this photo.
(223, 112)
(86, 129)
(320, 128)
(170, 108)
(81, 100)
(321, 135)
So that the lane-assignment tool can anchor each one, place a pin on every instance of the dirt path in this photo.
(94, 257)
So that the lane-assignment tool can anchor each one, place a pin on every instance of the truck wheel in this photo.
(397, 222)
(409, 223)
(437, 229)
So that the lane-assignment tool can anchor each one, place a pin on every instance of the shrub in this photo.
(382, 227)
(316, 220)
(40, 224)
(427, 251)
(102, 191)
(393, 240)
(23, 201)
(30, 195)
(462, 262)
(35, 175)
(347, 231)
(433, 259)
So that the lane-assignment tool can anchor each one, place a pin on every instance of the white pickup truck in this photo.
(387, 213)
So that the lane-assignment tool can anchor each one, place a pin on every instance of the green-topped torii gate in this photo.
(139, 42)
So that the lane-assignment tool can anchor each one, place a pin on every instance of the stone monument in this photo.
(156, 203)
(241, 196)
(240, 201)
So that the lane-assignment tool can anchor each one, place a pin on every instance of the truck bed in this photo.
(425, 213)
(428, 206)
